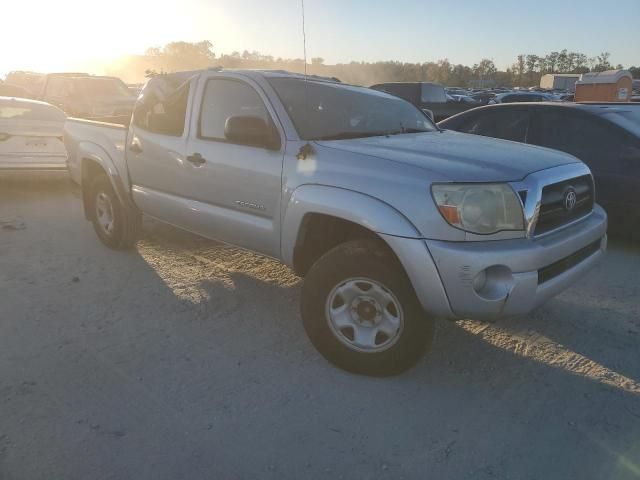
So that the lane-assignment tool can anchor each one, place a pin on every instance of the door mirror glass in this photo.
(250, 130)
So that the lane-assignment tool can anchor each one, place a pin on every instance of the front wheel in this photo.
(361, 313)
(115, 224)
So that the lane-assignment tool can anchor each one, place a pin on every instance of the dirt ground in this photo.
(186, 359)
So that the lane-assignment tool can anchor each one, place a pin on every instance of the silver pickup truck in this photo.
(391, 221)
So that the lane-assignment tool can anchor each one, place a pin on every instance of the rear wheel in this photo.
(361, 313)
(115, 224)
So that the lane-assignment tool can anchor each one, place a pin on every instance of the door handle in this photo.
(135, 147)
(196, 159)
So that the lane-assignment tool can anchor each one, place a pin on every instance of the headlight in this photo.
(479, 208)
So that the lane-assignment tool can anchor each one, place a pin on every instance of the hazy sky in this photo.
(63, 34)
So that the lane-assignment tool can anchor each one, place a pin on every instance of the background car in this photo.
(31, 136)
(514, 97)
(464, 99)
(604, 136)
(483, 98)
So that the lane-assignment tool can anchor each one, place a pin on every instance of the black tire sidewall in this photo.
(368, 260)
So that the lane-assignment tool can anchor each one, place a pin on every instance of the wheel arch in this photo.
(319, 218)
(94, 160)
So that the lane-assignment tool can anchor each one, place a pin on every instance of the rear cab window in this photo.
(165, 116)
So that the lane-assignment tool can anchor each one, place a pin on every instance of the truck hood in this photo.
(458, 156)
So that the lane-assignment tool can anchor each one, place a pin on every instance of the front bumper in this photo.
(493, 279)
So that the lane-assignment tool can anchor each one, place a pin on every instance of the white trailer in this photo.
(559, 81)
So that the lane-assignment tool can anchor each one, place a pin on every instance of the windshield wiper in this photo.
(348, 135)
(408, 130)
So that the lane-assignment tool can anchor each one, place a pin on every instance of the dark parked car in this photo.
(426, 96)
(515, 97)
(484, 97)
(604, 136)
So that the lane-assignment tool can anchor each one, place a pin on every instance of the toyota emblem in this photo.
(570, 200)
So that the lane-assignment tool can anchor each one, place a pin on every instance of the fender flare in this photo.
(91, 152)
(356, 207)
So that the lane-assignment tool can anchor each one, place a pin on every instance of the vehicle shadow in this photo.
(602, 331)
(169, 360)
(518, 383)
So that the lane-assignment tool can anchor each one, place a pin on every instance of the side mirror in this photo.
(250, 130)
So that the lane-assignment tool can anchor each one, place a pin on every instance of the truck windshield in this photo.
(332, 111)
(103, 87)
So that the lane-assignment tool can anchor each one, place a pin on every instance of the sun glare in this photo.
(71, 35)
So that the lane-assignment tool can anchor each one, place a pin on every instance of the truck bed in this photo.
(108, 137)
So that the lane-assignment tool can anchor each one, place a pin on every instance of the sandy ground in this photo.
(186, 359)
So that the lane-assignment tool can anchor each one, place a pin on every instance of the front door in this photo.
(236, 187)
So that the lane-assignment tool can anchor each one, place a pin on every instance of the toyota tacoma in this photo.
(391, 221)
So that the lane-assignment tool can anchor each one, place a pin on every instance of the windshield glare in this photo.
(103, 88)
(325, 111)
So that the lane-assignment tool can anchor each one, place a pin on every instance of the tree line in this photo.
(525, 71)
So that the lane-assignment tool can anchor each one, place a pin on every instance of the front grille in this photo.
(551, 271)
(554, 214)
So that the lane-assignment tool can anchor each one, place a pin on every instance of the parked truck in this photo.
(89, 96)
(391, 221)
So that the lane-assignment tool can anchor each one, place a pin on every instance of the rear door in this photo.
(599, 144)
(507, 123)
(155, 153)
(236, 188)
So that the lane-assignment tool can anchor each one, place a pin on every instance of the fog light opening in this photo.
(493, 283)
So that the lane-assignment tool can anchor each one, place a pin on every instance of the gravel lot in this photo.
(186, 359)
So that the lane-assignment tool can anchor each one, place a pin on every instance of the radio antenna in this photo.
(304, 41)
(306, 150)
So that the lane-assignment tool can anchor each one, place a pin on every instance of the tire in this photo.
(361, 313)
(116, 225)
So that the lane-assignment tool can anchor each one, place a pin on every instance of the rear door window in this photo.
(505, 123)
(587, 137)
(165, 117)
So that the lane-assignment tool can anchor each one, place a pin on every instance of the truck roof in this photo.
(181, 77)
